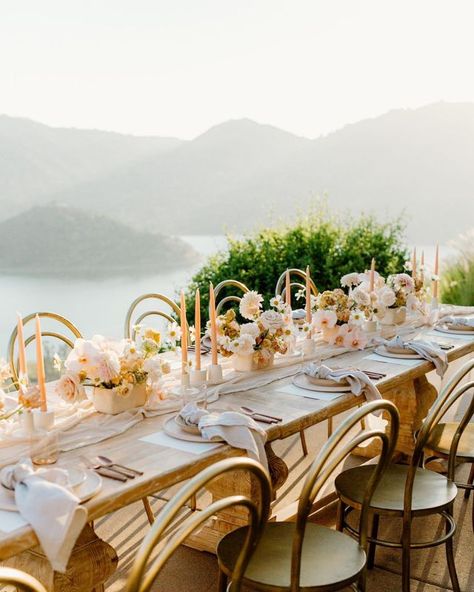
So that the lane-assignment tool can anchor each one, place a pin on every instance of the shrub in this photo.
(330, 246)
(457, 282)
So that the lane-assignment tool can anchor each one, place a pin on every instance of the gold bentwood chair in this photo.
(167, 534)
(21, 580)
(443, 436)
(304, 556)
(409, 491)
(280, 288)
(67, 339)
(130, 330)
(232, 298)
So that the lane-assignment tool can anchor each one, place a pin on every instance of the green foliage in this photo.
(457, 284)
(331, 247)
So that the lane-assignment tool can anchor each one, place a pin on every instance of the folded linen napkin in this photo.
(235, 428)
(426, 349)
(52, 510)
(463, 321)
(358, 381)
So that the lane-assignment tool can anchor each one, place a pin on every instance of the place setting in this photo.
(463, 326)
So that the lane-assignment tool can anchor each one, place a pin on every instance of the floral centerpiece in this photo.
(404, 295)
(254, 343)
(122, 373)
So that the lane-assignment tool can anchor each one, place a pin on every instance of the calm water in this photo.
(94, 306)
(99, 306)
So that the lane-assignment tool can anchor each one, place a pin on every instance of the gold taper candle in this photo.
(308, 299)
(22, 368)
(372, 275)
(212, 316)
(288, 288)
(197, 329)
(41, 378)
(184, 335)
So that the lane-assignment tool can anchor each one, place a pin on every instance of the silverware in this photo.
(108, 462)
(250, 411)
(104, 471)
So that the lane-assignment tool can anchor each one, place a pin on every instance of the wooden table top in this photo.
(164, 467)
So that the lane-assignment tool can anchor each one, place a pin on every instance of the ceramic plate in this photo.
(90, 486)
(171, 428)
(190, 429)
(301, 381)
(386, 354)
(444, 329)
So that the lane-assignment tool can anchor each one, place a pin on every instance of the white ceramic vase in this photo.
(248, 363)
(109, 401)
(395, 316)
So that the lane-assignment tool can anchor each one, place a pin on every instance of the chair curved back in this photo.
(280, 288)
(228, 284)
(330, 456)
(258, 507)
(73, 330)
(448, 396)
(21, 580)
(130, 331)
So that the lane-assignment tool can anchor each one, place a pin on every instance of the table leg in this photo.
(92, 562)
(208, 537)
(413, 399)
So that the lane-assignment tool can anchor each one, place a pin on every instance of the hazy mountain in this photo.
(63, 241)
(37, 160)
(241, 173)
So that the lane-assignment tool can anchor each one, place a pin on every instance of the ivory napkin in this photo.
(52, 510)
(235, 428)
(426, 349)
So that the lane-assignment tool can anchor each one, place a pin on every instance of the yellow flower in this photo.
(153, 335)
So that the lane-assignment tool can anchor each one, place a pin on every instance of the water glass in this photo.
(44, 449)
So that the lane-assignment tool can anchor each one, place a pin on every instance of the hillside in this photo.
(241, 173)
(62, 241)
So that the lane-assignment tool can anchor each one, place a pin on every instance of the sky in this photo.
(178, 67)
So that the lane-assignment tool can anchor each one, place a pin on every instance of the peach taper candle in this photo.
(184, 335)
(309, 315)
(213, 319)
(22, 367)
(41, 378)
(197, 329)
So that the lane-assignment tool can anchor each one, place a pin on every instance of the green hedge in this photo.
(457, 282)
(331, 246)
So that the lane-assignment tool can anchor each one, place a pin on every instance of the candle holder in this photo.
(185, 379)
(197, 377)
(370, 326)
(26, 421)
(214, 374)
(43, 420)
(308, 347)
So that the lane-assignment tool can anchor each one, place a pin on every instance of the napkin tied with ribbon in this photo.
(358, 381)
(235, 428)
(463, 321)
(42, 498)
(426, 349)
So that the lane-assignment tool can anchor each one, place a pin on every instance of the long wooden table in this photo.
(93, 560)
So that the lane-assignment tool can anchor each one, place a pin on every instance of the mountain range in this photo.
(241, 173)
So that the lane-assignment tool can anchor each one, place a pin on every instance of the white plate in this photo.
(301, 381)
(90, 486)
(443, 329)
(381, 351)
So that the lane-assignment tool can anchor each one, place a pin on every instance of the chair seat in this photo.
(442, 436)
(328, 557)
(431, 491)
